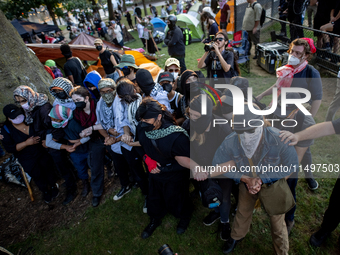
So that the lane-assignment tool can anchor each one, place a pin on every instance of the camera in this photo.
(165, 250)
(209, 46)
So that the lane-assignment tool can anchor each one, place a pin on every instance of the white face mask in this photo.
(175, 75)
(18, 120)
(292, 60)
(25, 106)
(250, 141)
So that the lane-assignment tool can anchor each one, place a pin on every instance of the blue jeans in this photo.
(2, 152)
(224, 208)
(80, 163)
(114, 76)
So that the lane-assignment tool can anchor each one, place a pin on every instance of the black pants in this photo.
(65, 168)
(331, 218)
(283, 25)
(133, 162)
(96, 163)
(169, 196)
(181, 60)
(130, 24)
(41, 173)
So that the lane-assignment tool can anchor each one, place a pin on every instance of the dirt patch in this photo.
(19, 217)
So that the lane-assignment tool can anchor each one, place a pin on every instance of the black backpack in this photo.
(116, 55)
(263, 14)
(186, 35)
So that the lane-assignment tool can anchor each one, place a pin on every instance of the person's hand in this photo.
(216, 48)
(201, 176)
(1, 136)
(86, 132)
(126, 138)
(109, 140)
(70, 148)
(155, 171)
(32, 140)
(254, 30)
(287, 136)
(285, 12)
(254, 185)
(44, 144)
(332, 19)
(259, 97)
(76, 145)
(151, 164)
(113, 132)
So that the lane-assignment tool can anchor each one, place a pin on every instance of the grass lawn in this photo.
(115, 226)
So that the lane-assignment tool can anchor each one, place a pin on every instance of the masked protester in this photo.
(20, 139)
(257, 145)
(108, 60)
(173, 66)
(166, 80)
(299, 74)
(175, 43)
(302, 148)
(60, 90)
(126, 105)
(56, 71)
(205, 140)
(106, 117)
(37, 108)
(150, 88)
(62, 117)
(128, 66)
(73, 68)
(168, 144)
(91, 83)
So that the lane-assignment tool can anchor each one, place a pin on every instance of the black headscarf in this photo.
(144, 81)
(202, 123)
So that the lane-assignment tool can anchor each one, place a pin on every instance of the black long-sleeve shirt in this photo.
(174, 40)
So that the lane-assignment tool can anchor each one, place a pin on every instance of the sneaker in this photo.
(312, 183)
(124, 190)
(55, 191)
(145, 209)
(86, 188)
(230, 245)
(225, 232)
(211, 218)
(290, 225)
(95, 201)
(147, 232)
(70, 196)
(47, 197)
(318, 238)
(182, 226)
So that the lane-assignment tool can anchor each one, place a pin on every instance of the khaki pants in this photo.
(243, 219)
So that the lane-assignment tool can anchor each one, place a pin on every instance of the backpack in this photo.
(263, 14)
(186, 35)
(116, 55)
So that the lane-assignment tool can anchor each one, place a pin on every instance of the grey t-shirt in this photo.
(308, 121)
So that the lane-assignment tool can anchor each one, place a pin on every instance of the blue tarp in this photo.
(158, 24)
(25, 28)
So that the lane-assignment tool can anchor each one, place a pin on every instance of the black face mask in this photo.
(61, 95)
(147, 126)
(96, 93)
(99, 47)
(80, 105)
(167, 87)
(126, 71)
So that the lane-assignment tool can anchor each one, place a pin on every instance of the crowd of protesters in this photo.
(156, 137)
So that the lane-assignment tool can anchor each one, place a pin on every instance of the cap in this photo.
(50, 63)
(127, 60)
(12, 111)
(289, 107)
(241, 122)
(166, 76)
(172, 61)
(112, 22)
(98, 41)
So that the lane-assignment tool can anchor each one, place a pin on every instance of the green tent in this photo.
(193, 11)
(185, 20)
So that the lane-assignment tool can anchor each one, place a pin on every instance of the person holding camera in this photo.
(220, 62)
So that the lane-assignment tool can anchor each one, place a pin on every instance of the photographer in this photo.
(220, 62)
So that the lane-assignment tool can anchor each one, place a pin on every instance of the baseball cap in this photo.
(172, 61)
(166, 76)
(12, 111)
(98, 41)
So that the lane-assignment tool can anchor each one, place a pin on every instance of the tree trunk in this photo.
(18, 65)
(124, 7)
(145, 11)
(52, 14)
(110, 9)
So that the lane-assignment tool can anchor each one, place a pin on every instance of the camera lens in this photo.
(165, 250)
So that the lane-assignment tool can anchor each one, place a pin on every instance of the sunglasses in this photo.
(251, 131)
(21, 101)
(173, 70)
(219, 39)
